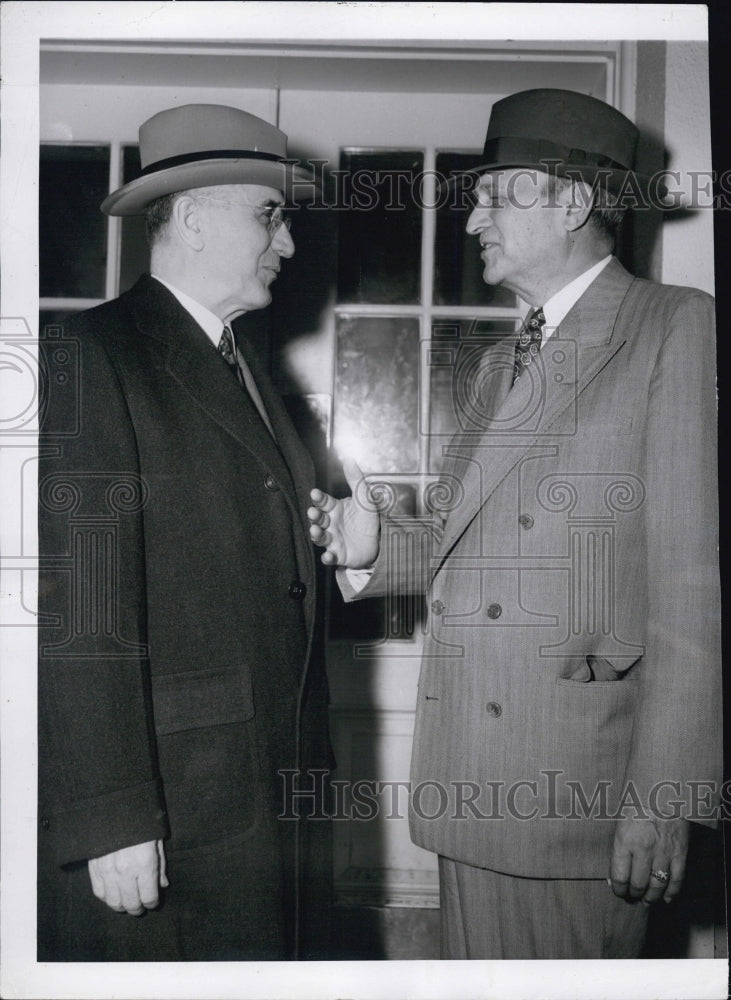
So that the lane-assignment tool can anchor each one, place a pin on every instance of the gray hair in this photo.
(606, 214)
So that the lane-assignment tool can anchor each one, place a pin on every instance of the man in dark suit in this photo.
(568, 716)
(180, 663)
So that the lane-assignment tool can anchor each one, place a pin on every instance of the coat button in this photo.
(45, 823)
(437, 607)
(494, 709)
(297, 590)
(270, 482)
(526, 521)
(494, 611)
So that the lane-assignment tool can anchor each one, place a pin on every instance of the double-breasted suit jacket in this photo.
(180, 660)
(571, 664)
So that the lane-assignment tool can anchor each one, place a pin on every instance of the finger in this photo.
(319, 536)
(163, 865)
(656, 886)
(353, 473)
(677, 874)
(97, 882)
(130, 896)
(619, 872)
(111, 894)
(640, 877)
(328, 558)
(148, 888)
(322, 500)
(318, 516)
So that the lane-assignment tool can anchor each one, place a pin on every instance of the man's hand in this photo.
(347, 529)
(644, 846)
(128, 880)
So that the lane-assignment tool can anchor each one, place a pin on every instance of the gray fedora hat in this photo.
(202, 145)
(565, 132)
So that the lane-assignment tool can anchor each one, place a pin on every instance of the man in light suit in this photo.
(180, 663)
(568, 717)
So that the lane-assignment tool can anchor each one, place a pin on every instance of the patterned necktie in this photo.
(528, 343)
(233, 357)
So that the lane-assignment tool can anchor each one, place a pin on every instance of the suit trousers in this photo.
(489, 915)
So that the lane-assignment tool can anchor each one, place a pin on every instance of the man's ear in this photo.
(186, 219)
(577, 199)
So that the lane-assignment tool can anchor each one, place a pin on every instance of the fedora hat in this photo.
(564, 132)
(201, 145)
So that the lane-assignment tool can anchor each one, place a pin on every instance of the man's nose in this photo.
(282, 242)
(479, 219)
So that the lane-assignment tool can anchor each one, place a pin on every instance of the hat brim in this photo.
(294, 181)
(619, 182)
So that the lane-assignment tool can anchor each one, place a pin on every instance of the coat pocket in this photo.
(196, 699)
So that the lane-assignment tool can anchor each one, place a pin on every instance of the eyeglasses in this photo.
(272, 217)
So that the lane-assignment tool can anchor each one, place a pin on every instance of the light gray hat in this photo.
(202, 145)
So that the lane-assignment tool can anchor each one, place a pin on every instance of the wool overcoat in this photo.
(571, 667)
(180, 664)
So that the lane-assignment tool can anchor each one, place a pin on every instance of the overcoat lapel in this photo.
(590, 336)
(192, 360)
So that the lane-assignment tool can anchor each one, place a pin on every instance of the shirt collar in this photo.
(560, 304)
(211, 324)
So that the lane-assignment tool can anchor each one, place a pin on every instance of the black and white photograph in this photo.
(361, 604)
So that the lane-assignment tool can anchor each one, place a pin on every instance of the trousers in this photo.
(490, 915)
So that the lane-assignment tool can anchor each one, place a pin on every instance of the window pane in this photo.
(377, 393)
(379, 250)
(467, 365)
(73, 182)
(135, 253)
(457, 265)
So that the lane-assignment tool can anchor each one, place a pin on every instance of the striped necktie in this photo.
(528, 343)
(235, 359)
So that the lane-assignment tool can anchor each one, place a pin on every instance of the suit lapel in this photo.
(581, 347)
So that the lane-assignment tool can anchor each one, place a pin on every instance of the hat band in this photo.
(518, 150)
(209, 154)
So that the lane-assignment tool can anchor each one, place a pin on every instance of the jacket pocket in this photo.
(196, 699)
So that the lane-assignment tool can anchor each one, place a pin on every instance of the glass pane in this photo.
(467, 362)
(73, 182)
(379, 250)
(135, 253)
(457, 265)
(377, 393)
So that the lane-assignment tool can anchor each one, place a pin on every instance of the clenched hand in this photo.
(129, 880)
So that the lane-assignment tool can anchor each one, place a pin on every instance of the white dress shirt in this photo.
(560, 304)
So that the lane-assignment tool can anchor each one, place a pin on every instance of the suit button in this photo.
(526, 521)
(270, 482)
(437, 607)
(45, 823)
(297, 590)
(494, 611)
(494, 709)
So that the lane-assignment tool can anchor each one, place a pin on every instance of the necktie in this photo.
(234, 358)
(529, 342)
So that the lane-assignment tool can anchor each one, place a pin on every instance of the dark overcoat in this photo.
(180, 664)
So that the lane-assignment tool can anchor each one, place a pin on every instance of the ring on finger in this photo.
(660, 875)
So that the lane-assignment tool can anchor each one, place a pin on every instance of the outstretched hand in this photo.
(347, 529)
